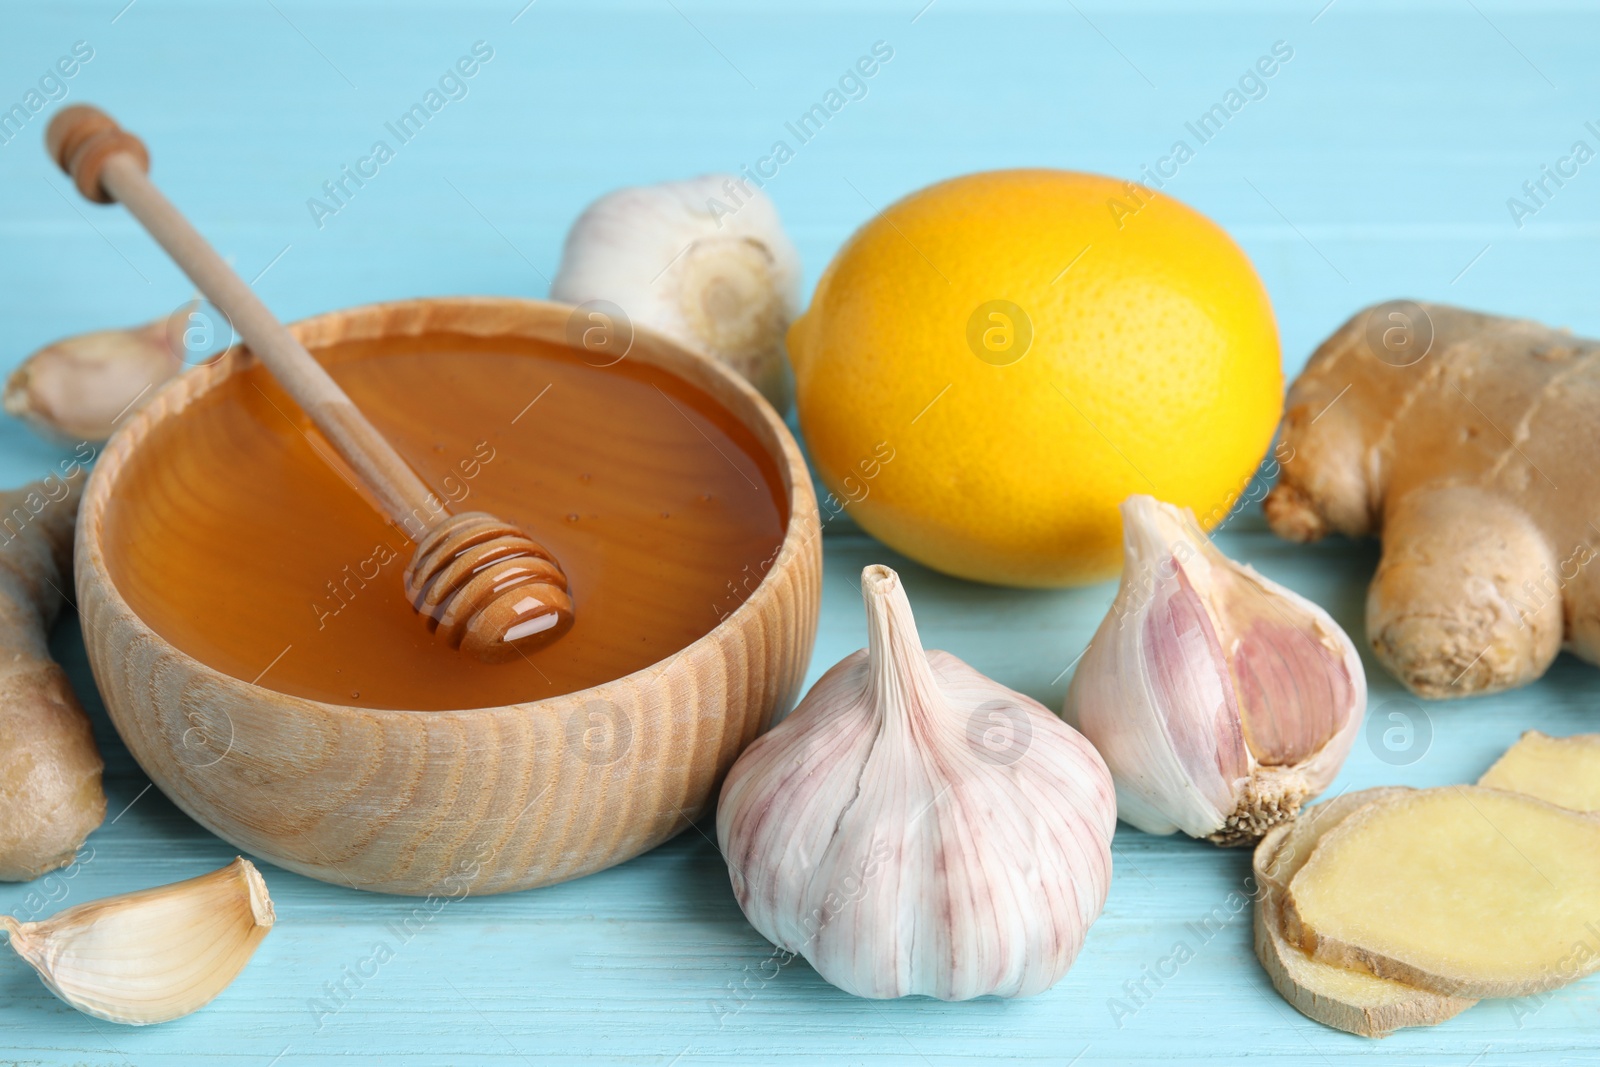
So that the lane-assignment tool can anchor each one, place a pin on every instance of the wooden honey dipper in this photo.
(486, 587)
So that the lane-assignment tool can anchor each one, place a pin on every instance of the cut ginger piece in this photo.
(1461, 890)
(1356, 1002)
(1562, 770)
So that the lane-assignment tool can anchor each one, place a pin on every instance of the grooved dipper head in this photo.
(488, 588)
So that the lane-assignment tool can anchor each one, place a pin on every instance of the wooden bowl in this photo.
(453, 802)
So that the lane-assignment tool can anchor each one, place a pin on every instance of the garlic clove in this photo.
(154, 955)
(914, 827)
(79, 388)
(1220, 700)
(705, 261)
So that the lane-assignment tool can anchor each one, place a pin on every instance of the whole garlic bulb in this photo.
(1220, 700)
(916, 828)
(704, 261)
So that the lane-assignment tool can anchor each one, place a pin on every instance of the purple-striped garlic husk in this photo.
(917, 828)
(1220, 700)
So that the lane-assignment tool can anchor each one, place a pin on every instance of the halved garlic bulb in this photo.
(154, 955)
(1220, 700)
(917, 828)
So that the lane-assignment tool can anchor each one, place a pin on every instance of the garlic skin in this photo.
(914, 827)
(704, 261)
(79, 388)
(151, 956)
(1220, 700)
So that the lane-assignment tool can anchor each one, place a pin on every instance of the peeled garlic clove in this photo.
(151, 956)
(914, 827)
(79, 388)
(1220, 700)
(704, 261)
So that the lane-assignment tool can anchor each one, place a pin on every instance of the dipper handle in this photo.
(516, 596)
(109, 164)
(68, 141)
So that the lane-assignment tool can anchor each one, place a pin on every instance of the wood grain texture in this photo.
(479, 801)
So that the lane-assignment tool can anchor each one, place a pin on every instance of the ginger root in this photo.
(50, 795)
(1466, 441)
(1465, 891)
(1354, 1001)
(1562, 770)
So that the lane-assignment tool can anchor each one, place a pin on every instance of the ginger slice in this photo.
(1563, 770)
(1461, 890)
(1353, 1001)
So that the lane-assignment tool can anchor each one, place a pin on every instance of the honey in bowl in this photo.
(237, 540)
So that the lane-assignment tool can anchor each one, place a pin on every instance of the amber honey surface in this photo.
(234, 539)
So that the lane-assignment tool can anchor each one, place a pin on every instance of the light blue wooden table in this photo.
(1378, 164)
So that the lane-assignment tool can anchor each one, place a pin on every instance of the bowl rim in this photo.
(760, 418)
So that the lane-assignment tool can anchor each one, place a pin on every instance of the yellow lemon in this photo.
(992, 365)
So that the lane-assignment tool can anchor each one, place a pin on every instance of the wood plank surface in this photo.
(1378, 164)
